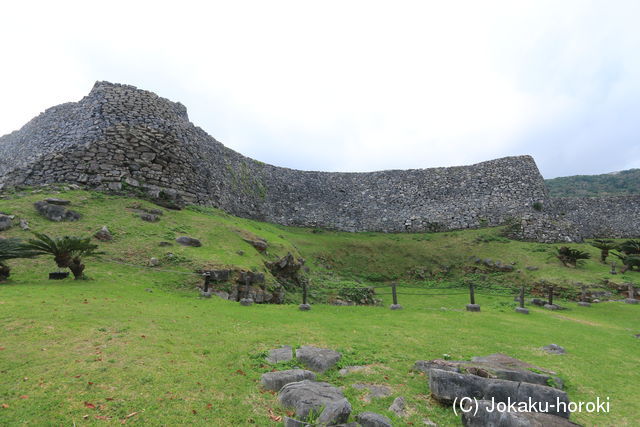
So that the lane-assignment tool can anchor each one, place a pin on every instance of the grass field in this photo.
(137, 345)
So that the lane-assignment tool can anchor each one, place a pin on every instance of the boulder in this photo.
(276, 380)
(317, 359)
(24, 224)
(447, 386)
(259, 244)
(398, 407)
(487, 415)
(304, 307)
(103, 234)
(149, 217)
(371, 419)
(55, 212)
(188, 241)
(554, 349)
(282, 354)
(307, 396)
(246, 302)
(5, 222)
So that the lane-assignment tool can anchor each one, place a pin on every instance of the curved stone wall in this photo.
(120, 136)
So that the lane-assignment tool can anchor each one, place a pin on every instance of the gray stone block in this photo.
(276, 380)
(307, 396)
(371, 419)
(317, 359)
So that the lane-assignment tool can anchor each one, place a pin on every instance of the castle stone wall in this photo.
(119, 136)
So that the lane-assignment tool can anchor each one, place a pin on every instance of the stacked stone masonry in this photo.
(122, 137)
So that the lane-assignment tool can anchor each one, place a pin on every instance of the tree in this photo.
(630, 247)
(605, 245)
(67, 251)
(12, 249)
(570, 257)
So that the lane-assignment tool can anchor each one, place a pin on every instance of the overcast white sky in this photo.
(352, 85)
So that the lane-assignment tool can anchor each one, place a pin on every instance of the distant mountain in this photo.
(609, 184)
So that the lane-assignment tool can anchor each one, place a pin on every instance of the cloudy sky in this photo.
(352, 85)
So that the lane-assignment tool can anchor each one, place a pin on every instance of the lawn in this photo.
(137, 345)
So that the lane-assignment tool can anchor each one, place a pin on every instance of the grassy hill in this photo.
(137, 345)
(611, 184)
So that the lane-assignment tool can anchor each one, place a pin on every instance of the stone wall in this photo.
(601, 217)
(119, 136)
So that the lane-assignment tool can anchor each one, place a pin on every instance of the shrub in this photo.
(12, 249)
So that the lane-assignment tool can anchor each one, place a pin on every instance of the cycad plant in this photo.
(605, 245)
(570, 257)
(12, 249)
(67, 251)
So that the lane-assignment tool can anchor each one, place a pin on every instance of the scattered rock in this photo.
(554, 349)
(59, 202)
(103, 234)
(189, 241)
(522, 310)
(260, 244)
(473, 307)
(637, 336)
(221, 294)
(584, 304)
(5, 222)
(487, 415)
(538, 302)
(532, 268)
(371, 419)
(428, 422)
(286, 269)
(282, 354)
(241, 253)
(164, 244)
(398, 407)
(149, 290)
(553, 307)
(306, 396)
(149, 217)
(246, 302)
(304, 307)
(317, 359)
(631, 301)
(55, 212)
(276, 380)
(395, 307)
(154, 262)
(24, 224)
(375, 391)
(446, 386)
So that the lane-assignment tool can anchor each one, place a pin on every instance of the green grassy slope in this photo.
(610, 184)
(98, 350)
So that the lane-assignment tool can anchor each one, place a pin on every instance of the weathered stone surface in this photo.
(188, 241)
(276, 380)
(522, 310)
(24, 224)
(487, 415)
(584, 304)
(446, 386)
(104, 235)
(246, 302)
(149, 217)
(55, 212)
(5, 222)
(306, 396)
(154, 262)
(473, 307)
(398, 407)
(554, 349)
(371, 419)
(304, 307)
(353, 369)
(281, 354)
(395, 307)
(317, 359)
